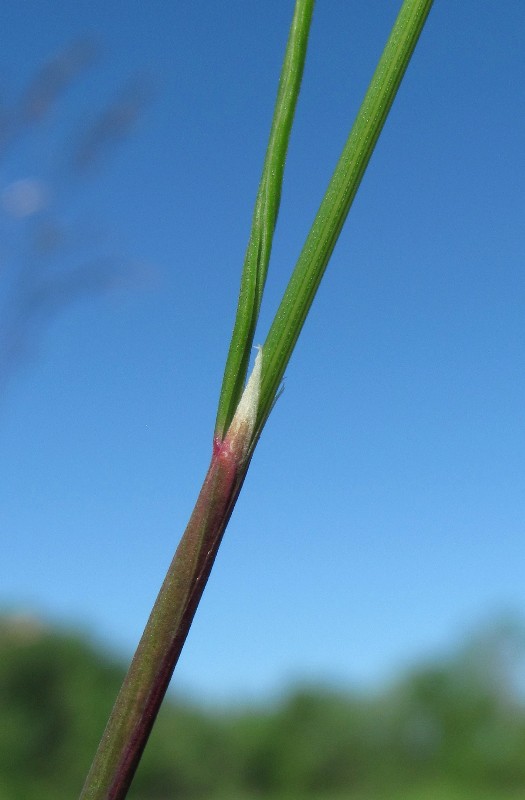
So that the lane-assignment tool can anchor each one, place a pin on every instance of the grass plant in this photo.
(244, 406)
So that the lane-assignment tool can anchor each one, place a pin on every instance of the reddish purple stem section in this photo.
(145, 685)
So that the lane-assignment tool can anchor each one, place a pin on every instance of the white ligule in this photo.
(243, 423)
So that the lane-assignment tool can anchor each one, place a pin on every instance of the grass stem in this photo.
(243, 411)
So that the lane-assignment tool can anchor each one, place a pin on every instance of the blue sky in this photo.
(383, 515)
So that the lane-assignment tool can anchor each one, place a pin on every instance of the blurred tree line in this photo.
(446, 731)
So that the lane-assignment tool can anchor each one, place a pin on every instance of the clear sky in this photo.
(384, 512)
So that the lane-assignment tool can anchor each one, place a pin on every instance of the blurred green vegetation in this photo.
(453, 730)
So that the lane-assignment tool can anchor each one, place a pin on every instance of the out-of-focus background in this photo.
(362, 633)
(449, 729)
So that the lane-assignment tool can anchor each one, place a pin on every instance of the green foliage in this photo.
(453, 730)
(55, 694)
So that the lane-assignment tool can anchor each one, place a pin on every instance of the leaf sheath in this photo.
(150, 672)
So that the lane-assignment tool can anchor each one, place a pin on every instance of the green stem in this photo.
(336, 203)
(264, 218)
(143, 690)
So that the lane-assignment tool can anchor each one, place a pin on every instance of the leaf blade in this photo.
(264, 219)
(338, 198)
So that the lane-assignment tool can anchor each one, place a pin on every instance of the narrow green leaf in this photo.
(336, 203)
(264, 218)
